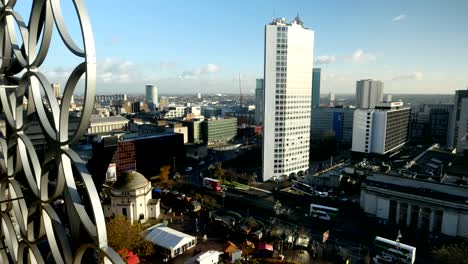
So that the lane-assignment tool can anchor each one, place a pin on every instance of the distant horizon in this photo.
(252, 94)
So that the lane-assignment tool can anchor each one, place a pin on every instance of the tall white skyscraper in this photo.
(289, 53)
(368, 93)
(152, 97)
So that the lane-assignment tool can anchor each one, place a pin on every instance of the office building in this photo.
(459, 125)
(211, 111)
(368, 93)
(194, 130)
(136, 107)
(331, 99)
(195, 111)
(147, 153)
(198, 96)
(288, 90)
(430, 123)
(152, 97)
(57, 91)
(417, 204)
(175, 112)
(103, 125)
(110, 99)
(380, 130)
(316, 76)
(243, 115)
(219, 131)
(259, 105)
(334, 121)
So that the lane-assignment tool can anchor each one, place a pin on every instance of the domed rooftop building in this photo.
(131, 197)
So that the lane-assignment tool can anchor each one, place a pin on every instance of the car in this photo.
(188, 169)
(201, 162)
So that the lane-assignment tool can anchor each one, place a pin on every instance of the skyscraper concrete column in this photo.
(152, 97)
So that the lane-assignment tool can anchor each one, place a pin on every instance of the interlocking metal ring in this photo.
(33, 229)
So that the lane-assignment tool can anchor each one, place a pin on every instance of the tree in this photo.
(123, 235)
(451, 254)
(209, 201)
(251, 222)
(219, 171)
(164, 173)
(197, 196)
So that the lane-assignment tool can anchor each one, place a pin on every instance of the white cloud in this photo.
(399, 18)
(114, 70)
(325, 59)
(410, 76)
(361, 56)
(198, 71)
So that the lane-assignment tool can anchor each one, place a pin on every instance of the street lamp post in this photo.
(223, 195)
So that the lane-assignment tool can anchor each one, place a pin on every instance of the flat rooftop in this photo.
(424, 188)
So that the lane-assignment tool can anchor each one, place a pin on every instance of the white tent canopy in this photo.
(168, 238)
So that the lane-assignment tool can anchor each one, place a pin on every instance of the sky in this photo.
(205, 45)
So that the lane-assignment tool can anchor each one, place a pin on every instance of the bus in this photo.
(302, 187)
(212, 184)
(323, 212)
(388, 251)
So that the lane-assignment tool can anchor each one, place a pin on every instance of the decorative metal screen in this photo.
(50, 210)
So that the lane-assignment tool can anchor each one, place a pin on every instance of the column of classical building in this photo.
(397, 220)
(408, 215)
(420, 216)
(431, 221)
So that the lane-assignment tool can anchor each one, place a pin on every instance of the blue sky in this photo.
(191, 46)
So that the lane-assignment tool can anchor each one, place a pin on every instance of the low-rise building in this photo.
(130, 197)
(100, 125)
(426, 205)
(170, 241)
(175, 112)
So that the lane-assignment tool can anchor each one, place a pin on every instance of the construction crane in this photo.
(240, 91)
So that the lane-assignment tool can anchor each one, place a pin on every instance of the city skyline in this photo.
(411, 49)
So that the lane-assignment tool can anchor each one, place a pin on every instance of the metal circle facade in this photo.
(33, 229)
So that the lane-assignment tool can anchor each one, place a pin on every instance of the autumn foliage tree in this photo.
(452, 254)
(123, 235)
(164, 173)
(219, 171)
(164, 181)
